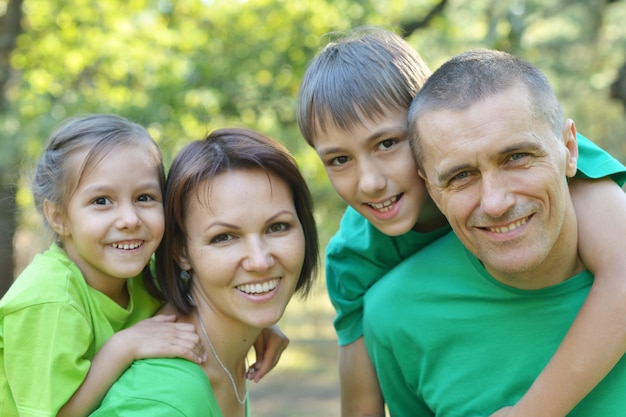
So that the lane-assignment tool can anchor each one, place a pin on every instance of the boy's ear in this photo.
(55, 217)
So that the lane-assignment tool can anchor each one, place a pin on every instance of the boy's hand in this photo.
(268, 347)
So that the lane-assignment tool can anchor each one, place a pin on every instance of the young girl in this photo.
(78, 314)
(76, 317)
(240, 238)
(352, 108)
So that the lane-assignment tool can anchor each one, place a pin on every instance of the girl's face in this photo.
(372, 168)
(245, 247)
(114, 219)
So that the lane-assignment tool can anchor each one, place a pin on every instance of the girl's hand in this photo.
(162, 337)
(269, 346)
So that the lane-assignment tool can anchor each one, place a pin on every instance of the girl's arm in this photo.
(159, 336)
(360, 392)
(597, 339)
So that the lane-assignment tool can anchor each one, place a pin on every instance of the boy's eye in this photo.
(386, 144)
(278, 227)
(339, 160)
(101, 201)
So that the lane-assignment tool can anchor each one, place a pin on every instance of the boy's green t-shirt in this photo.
(359, 254)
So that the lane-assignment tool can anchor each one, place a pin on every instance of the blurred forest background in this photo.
(184, 67)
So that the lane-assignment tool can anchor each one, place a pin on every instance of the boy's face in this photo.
(372, 168)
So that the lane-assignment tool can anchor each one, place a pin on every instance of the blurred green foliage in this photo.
(184, 67)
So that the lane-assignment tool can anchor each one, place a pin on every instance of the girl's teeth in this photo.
(126, 246)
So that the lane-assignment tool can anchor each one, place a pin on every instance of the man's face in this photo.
(499, 176)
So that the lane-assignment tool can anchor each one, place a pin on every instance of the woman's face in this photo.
(245, 246)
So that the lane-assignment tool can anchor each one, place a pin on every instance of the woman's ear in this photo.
(55, 218)
(183, 260)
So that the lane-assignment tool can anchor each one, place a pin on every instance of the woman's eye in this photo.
(224, 237)
(339, 160)
(278, 227)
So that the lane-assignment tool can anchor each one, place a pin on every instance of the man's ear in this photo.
(55, 217)
(571, 145)
(434, 194)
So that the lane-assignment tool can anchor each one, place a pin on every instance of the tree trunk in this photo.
(8, 222)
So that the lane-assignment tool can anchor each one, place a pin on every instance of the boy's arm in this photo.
(158, 336)
(269, 347)
(597, 338)
(360, 392)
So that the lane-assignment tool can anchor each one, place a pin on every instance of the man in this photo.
(469, 335)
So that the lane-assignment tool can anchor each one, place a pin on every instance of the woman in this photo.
(239, 241)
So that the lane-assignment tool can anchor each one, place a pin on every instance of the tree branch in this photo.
(411, 26)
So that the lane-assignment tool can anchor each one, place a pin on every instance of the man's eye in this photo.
(461, 176)
(518, 156)
(340, 160)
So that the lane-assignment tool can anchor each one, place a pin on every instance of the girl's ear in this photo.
(55, 217)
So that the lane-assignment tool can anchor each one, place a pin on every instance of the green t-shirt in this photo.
(160, 387)
(447, 339)
(52, 323)
(359, 254)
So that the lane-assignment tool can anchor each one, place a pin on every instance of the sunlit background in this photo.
(184, 67)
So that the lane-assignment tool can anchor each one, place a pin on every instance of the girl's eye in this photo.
(224, 237)
(101, 201)
(278, 227)
(339, 160)
(145, 198)
(387, 144)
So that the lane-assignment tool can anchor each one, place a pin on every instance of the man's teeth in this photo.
(385, 205)
(508, 228)
(258, 288)
(126, 246)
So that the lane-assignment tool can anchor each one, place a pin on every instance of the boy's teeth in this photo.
(258, 288)
(385, 205)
